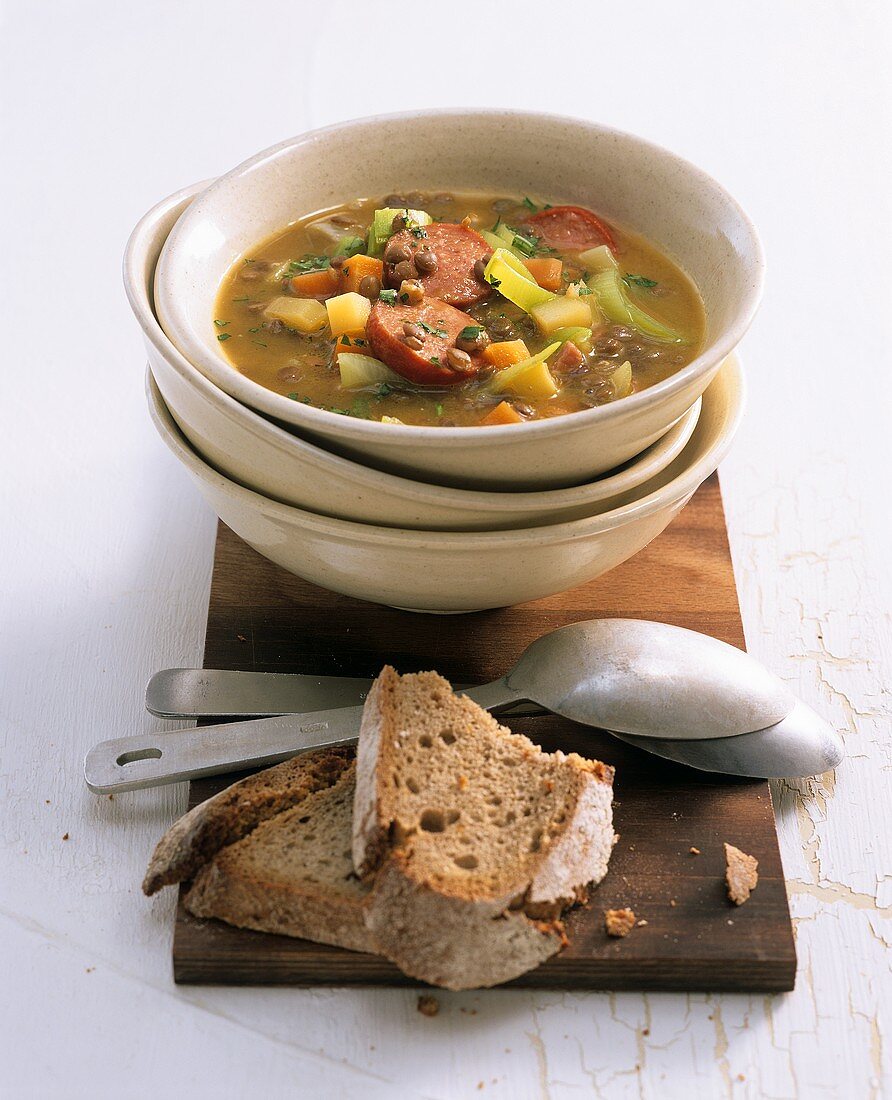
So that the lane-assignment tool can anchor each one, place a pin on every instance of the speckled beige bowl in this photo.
(630, 181)
(463, 571)
(258, 454)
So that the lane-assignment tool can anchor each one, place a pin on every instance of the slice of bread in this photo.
(193, 840)
(292, 874)
(476, 839)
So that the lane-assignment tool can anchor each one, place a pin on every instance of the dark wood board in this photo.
(263, 619)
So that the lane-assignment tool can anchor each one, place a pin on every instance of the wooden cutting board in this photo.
(263, 619)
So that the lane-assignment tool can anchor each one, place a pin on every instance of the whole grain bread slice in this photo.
(233, 813)
(292, 874)
(476, 839)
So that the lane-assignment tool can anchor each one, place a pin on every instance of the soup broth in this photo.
(457, 310)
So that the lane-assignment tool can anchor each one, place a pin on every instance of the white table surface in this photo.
(105, 546)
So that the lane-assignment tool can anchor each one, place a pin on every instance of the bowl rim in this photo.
(412, 491)
(679, 488)
(273, 404)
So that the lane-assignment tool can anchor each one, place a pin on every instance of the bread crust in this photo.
(451, 930)
(233, 813)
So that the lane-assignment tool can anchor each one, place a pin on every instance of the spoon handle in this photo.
(224, 693)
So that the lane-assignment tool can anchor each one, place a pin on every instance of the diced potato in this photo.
(302, 314)
(597, 259)
(505, 352)
(561, 312)
(622, 380)
(536, 383)
(348, 313)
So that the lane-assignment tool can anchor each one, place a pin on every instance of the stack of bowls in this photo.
(434, 518)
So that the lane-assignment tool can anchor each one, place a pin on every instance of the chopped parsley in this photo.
(433, 331)
(418, 231)
(583, 290)
(221, 324)
(245, 299)
(529, 204)
(257, 343)
(638, 280)
(435, 359)
(439, 409)
(404, 297)
(470, 332)
(494, 282)
(224, 336)
(345, 340)
(388, 297)
(308, 263)
(383, 389)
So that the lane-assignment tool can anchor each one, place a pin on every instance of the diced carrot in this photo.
(506, 352)
(356, 269)
(314, 284)
(546, 270)
(503, 413)
(353, 342)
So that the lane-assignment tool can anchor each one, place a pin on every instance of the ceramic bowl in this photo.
(259, 455)
(449, 571)
(630, 181)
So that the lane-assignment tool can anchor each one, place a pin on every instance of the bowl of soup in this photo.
(258, 454)
(451, 571)
(487, 299)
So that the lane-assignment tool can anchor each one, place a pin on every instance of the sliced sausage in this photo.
(395, 333)
(570, 227)
(455, 250)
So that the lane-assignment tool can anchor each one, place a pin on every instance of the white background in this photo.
(105, 547)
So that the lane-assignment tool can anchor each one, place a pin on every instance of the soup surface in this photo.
(457, 309)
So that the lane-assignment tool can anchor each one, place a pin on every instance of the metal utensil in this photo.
(643, 678)
(800, 744)
(796, 743)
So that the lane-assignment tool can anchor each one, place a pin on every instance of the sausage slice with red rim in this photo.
(571, 227)
(448, 271)
(416, 342)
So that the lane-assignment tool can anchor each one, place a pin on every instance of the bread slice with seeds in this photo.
(475, 838)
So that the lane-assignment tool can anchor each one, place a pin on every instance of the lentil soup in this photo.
(457, 310)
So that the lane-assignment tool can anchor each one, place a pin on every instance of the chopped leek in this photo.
(382, 225)
(359, 371)
(350, 246)
(597, 259)
(561, 312)
(575, 334)
(622, 380)
(505, 379)
(492, 239)
(503, 272)
(506, 233)
(617, 306)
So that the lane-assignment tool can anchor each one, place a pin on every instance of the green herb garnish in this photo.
(433, 331)
(388, 297)
(529, 204)
(308, 263)
(258, 344)
(494, 282)
(345, 340)
(224, 336)
(435, 359)
(221, 324)
(439, 409)
(383, 389)
(638, 280)
(526, 246)
(470, 332)
(418, 231)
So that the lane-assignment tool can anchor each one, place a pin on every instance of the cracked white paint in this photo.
(106, 547)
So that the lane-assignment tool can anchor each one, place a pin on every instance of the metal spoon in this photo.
(674, 688)
(638, 677)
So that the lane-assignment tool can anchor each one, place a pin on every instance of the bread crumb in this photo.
(694, 851)
(741, 874)
(462, 782)
(65, 836)
(619, 922)
(428, 1005)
